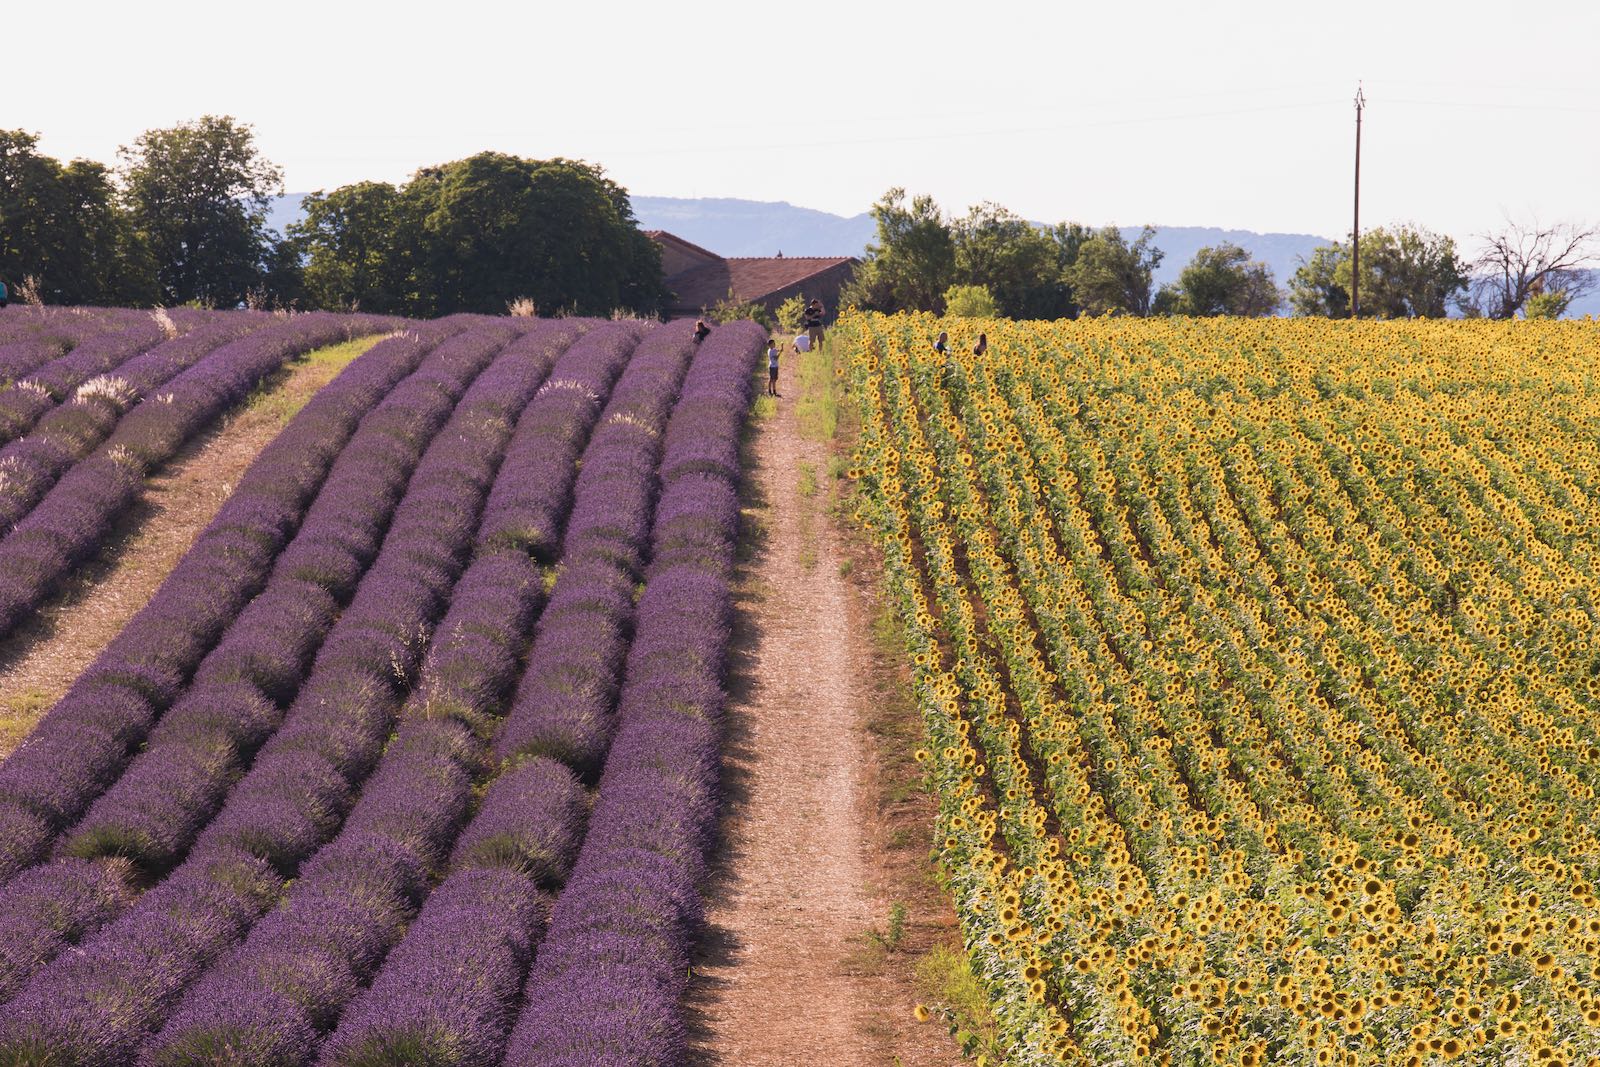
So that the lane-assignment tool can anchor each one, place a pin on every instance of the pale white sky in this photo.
(1232, 113)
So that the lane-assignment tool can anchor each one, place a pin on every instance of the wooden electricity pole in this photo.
(1355, 236)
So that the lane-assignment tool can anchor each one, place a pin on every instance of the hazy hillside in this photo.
(755, 228)
(733, 227)
(1280, 251)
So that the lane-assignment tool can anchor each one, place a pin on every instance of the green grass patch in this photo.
(18, 714)
(808, 480)
(281, 396)
(956, 997)
(819, 395)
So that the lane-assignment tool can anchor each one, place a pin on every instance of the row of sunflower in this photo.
(1260, 677)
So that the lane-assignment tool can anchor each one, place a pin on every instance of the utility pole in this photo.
(1355, 229)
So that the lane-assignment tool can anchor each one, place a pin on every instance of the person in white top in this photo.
(802, 342)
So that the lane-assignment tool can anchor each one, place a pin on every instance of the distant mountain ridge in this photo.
(733, 227)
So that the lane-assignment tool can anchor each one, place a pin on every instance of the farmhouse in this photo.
(700, 278)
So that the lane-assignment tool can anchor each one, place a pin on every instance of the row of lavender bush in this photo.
(270, 997)
(350, 516)
(607, 984)
(31, 464)
(295, 794)
(75, 516)
(447, 992)
(82, 743)
(96, 345)
(29, 340)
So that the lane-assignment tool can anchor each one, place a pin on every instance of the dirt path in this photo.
(793, 968)
(40, 660)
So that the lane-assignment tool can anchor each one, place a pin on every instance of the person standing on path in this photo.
(813, 323)
(701, 330)
(772, 367)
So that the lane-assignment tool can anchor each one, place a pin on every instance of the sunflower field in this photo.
(1259, 666)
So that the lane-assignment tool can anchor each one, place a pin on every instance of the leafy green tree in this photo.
(1110, 276)
(913, 261)
(62, 225)
(1547, 304)
(477, 234)
(358, 243)
(196, 195)
(970, 302)
(1318, 288)
(1066, 240)
(495, 227)
(1221, 280)
(1015, 261)
(1409, 272)
(1406, 272)
(792, 313)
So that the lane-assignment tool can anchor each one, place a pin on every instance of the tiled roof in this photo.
(749, 279)
(662, 237)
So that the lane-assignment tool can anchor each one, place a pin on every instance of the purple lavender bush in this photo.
(607, 983)
(74, 517)
(82, 742)
(307, 959)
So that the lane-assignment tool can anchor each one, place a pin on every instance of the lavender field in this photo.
(413, 758)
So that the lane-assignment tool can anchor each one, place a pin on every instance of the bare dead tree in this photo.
(1521, 261)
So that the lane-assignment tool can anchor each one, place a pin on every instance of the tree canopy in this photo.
(478, 233)
(61, 225)
(184, 221)
(1221, 280)
(920, 254)
(1406, 272)
(196, 195)
(1112, 276)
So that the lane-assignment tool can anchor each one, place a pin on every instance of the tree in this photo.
(1550, 305)
(1521, 261)
(1066, 240)
(913, 261)
(732, 309)
(196, 195)
(792, 313)
(61, 224)
(1221, 280)
(1317, 287)
(1406, 272)
(495, 227)
(1111, 276)
(477, 234)
(357, 248)
(970, 302)
(1409, 272)
(1019, 264)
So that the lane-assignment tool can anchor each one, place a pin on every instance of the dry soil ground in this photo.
(803, 961)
